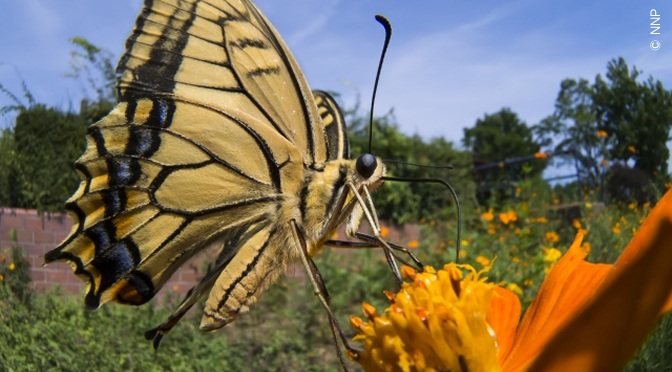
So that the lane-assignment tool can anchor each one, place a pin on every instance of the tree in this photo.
(638, 115)
(38, 153)
(612, 121)
(498, 137)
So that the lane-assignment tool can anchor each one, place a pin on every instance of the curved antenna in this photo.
(388, 34)
(445, 166)
(452, 191)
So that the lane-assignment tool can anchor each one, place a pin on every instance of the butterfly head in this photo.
(370, 170)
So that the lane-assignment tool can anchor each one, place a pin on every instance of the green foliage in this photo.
(632, 118)
(637, 114)
(38, 153)
(408, 202)
(498, 137)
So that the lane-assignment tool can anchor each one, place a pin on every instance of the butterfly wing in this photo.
(338, 144)
(223, 55)
(214, 127)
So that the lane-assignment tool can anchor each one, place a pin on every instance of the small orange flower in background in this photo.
(515, 260)
(175, 287)
(617, 228)
(491, 229)
(2, 278)
(604, 163)
(541, 155)
(484, 261)
(335, 236)
(384, 231)
(552, 237)
(632, 149)
(507, 217)
(519, 190)
(601, 133)
(556, 201)
(488, 216)
(528, 282)
(586, 317)
(576, 223)
(12, 266)
(463, 253)
(540, 220)
(413, 244)
(423, 220)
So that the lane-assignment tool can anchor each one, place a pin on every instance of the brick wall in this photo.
(38, 233)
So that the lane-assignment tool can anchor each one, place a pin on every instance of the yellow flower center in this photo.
(435, 323)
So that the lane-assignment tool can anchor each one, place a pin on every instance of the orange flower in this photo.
(413, 244)
(632, 149)
(541, 155)
(507, 217)
(484, 261)
(384, 231)
(604, 163)
(488, 216)
(552, 237)
(586, 317)
(601, 133)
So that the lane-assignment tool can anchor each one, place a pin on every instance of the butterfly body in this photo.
(216, 139)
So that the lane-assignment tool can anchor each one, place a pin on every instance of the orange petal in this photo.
(568, 287)
(503, 316)
(610, 328)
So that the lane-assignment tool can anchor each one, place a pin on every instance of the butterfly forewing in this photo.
(224, 55)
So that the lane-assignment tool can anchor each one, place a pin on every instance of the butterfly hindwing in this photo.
(154, 191)
(338, 144)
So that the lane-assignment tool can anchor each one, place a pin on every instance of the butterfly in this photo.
(217, 138)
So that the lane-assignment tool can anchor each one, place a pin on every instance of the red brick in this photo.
(60, 236)
(14, 222)
(57, 224)
(54, 276)
(38, 274)
(46, 237)
(33, 223)
(24, 236)
(189, 276)
(42, 286)
(34, 249)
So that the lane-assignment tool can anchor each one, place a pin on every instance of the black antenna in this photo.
(388, 34)
(445, 166)
(452, 191)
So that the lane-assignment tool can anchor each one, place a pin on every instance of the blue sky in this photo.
(449, 62)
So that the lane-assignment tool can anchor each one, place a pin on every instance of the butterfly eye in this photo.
(366, 165)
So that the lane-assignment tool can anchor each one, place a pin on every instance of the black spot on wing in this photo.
(113, 264)
(143, 141)
(165, 58)
(102, 234)
(115, 201)
(263, 71)
(243, 43)
(123, 171)
(162, 113)
(99, 140)
(142, 284)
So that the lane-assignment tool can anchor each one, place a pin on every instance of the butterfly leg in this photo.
(368, 241)
(376, 231)
(321, 292)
